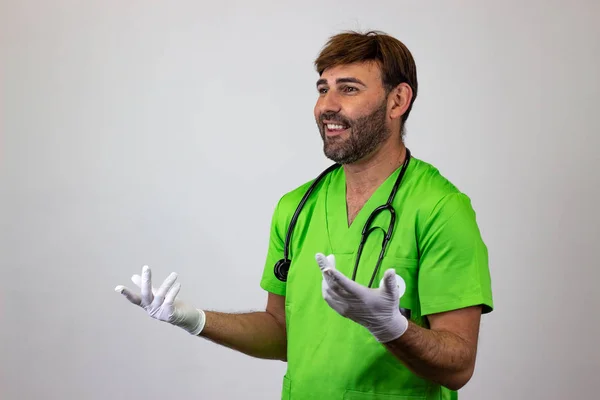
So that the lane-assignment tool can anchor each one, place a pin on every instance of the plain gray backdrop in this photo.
(163, 133)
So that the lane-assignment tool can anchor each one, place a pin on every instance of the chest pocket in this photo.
(408, 269)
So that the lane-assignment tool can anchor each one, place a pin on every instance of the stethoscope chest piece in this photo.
(281, 269)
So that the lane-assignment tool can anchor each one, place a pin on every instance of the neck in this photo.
(364, 176)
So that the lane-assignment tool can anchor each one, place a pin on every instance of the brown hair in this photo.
(395, 60)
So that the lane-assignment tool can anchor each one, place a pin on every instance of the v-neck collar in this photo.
(345, 239)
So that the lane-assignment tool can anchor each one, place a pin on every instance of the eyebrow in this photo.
(342, 80)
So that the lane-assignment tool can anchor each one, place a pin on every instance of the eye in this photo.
(322, 90)
(349, 89)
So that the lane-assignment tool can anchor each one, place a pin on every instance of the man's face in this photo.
(351, 111)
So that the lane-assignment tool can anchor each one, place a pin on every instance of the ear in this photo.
(399, 100)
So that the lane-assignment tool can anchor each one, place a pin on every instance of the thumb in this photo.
(132, 297)
(391, 283)
(394, 283)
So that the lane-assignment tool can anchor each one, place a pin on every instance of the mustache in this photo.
(334, 117)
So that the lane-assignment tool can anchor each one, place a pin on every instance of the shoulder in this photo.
(289, 201)
(428, 182)
(434, 194)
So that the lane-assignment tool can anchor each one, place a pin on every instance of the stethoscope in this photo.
(282, 266)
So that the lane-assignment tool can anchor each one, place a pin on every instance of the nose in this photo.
(328, 103)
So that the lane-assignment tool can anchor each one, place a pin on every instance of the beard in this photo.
(365, 135)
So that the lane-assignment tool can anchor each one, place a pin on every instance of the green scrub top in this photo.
(436, 248)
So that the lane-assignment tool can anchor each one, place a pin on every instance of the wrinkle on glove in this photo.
(378, 309)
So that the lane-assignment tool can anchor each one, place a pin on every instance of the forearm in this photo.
(257, 334)
(439, 356)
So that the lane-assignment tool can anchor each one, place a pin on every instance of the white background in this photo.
(163, 133)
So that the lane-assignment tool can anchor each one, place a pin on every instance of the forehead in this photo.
(367, 72)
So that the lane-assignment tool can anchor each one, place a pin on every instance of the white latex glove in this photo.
(378, 310)
(161, 304)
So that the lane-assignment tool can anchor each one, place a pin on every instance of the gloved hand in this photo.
(161, 304)
(378, 310)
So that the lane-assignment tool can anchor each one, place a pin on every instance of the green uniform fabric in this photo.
(436, 248)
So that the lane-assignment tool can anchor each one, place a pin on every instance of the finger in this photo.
(132, 297)
(340, 283)
(325, 262)
(331, 259)
(146, 286)
(325, 289)
(338, 304)
(172, 294)
(329, 294)
(164, 288)
(138, 281)
(329, 280)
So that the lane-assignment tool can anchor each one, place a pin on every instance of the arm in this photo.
(444, 354)
(257, 334)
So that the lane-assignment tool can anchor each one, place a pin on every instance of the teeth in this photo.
(334, 126)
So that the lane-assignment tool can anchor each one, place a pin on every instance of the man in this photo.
(404, 324)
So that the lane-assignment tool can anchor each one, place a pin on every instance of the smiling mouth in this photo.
(333, 129)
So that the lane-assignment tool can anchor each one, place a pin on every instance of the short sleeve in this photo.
(269, 281)
(453, 266)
